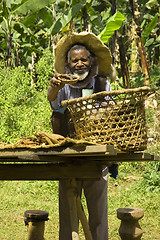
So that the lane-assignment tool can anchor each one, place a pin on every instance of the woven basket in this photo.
(115, 117)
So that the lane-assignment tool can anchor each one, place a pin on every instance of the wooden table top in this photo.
(55, 163)
(103, 153)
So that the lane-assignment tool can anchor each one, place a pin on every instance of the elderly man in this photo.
(86, 56)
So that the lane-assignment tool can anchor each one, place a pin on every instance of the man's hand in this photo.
(56, 83)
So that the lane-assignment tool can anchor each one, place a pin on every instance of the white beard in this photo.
(81, 76)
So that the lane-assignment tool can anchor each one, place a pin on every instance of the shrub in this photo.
(44, 69)
(24, 108)
(151, 177)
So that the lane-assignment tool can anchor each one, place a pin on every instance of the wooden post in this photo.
(71, 195)
(83, 219)
(35, 220)
(76, 211)
(130, 228)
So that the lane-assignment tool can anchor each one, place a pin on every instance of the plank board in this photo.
(90, 150)
(99, 153)
(49, 171)
(133, 157)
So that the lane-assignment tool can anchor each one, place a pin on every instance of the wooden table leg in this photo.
(76, 211)
(83, 219)
(71, 194)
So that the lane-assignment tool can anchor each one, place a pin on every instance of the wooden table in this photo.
(70, 163)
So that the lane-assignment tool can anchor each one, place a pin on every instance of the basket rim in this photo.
(108, 93)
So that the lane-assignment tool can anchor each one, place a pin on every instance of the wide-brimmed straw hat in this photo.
(92, 42)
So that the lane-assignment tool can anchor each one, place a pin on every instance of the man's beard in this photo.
(81, 76)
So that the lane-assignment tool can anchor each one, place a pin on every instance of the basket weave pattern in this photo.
(116, 118)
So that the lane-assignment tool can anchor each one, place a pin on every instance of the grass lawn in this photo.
(18, 196)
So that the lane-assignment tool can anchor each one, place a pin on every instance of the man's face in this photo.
(79, 62)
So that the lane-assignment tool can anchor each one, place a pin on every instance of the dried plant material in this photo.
(44, 140)
(50, 137)
(68, 78)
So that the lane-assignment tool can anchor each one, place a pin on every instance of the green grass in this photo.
(18, 196)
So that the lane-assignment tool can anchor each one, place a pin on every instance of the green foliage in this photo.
(155, 77)
(28, 26)
(44, 69)
(24, 108)
(149, 175)
(24, 7)
(146, 32)
(68, 13)
(151, 178)
(113, 23)
(20, 35)
(117, 85)
(147, 13)
(150, 37)
(137, 79)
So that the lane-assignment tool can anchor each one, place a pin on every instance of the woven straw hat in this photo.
(92, 42)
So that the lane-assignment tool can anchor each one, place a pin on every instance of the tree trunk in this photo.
(85, 19)
(134, 48)
(113, 43)
(9, 55)
(136, 17)
(143, 61)
(123, 62)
